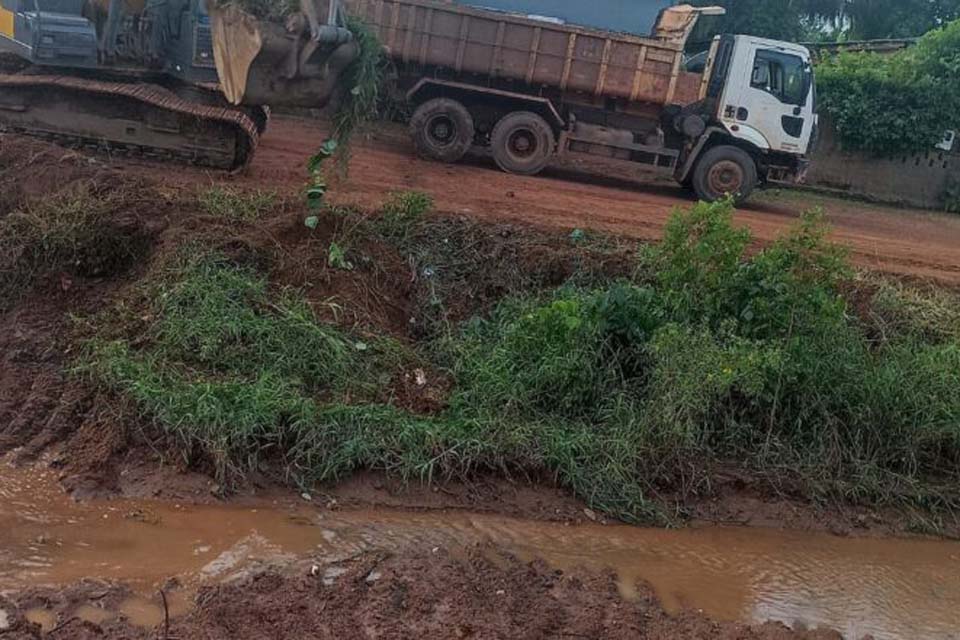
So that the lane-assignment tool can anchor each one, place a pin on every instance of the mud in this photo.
(603, 197)
(885, 588)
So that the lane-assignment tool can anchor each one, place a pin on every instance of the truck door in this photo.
(769, 96)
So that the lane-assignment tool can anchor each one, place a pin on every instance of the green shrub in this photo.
(899, 104)
(704, 276)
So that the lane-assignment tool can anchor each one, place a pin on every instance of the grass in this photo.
(75, 231)
(401, 214)
(619, 389)
(235, 205)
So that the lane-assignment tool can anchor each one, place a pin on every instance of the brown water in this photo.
(906, 589)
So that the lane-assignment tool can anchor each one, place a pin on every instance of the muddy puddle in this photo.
(888, 588)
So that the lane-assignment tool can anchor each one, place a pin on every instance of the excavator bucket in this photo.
(296, 62)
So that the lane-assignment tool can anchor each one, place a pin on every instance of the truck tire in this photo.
(442, 129)
(722, 171)
(522, 143)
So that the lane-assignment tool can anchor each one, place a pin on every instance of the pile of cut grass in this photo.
(234, 205)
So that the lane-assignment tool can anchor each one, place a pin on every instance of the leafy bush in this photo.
(890, 105)
(704, 277)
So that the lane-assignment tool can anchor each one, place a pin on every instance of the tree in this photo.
(778, 19)
(854, 19)
(878, 19)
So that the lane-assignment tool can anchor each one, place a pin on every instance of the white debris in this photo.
(331, 574)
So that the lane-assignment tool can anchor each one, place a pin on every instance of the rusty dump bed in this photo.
(537, 53)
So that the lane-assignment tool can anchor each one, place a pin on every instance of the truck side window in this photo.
(781, 75)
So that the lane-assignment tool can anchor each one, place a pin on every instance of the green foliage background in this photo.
(890, 105)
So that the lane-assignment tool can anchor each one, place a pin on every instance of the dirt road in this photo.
(899, 241)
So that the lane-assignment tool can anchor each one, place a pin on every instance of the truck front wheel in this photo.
(522, 142)
(723, 171)
(442, 129)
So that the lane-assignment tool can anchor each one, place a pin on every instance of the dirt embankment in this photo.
(606, 198)
(421, 593)
(101, 447)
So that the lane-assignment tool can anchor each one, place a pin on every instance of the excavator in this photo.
(187, 81)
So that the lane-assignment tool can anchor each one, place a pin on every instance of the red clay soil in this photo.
(602, 197)
(97, 442)
(423, 594)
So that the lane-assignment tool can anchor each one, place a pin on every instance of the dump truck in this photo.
(532, 79)
(171, 80)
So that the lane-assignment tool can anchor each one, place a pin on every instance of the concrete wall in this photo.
(917, 181)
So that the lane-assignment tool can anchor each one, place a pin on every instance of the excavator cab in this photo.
(48, 32)
(184, 80)
(295, 62)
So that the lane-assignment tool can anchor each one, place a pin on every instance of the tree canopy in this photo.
(836, 19)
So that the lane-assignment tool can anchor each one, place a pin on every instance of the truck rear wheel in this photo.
(722, 171)
(442, 129)
(522, 143)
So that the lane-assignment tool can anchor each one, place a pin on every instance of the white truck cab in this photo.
(759, 102)
(768, 99)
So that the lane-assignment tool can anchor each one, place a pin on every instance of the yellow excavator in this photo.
(181, 80)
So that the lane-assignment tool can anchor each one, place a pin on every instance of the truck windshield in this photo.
(783, 75)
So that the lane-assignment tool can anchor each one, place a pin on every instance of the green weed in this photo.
(401, 213)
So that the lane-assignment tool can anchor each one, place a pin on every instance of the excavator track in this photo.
(126, 119)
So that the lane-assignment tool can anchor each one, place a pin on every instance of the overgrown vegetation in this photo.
(363, 79)
(895, 104)
(235, 371)
(708, 356)
(74, 232)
